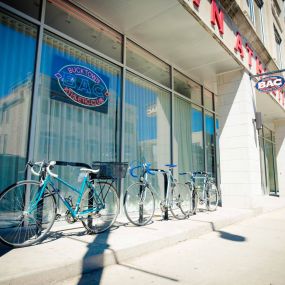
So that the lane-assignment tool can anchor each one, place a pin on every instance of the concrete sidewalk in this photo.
(68, 251)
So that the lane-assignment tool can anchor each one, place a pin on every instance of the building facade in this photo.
(159, 81)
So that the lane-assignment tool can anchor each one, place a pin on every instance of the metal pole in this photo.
(267, 73)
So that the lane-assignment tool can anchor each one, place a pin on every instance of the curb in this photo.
(111, 256)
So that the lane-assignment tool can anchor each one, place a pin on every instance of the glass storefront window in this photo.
(74, 22)
(210, 143)
(187, 87)
(147, 124)
(30, 7)
(197, 140)
(78, 114)
(147, 64)
(188, 145)
(208, 99)
(17, 57)
(182, 144)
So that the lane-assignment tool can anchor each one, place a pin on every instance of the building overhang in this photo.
(168, 30)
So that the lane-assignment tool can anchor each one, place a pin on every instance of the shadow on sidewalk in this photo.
(225, 235)
(4, 249)
(95, 254)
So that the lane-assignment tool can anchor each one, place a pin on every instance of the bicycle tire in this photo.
(18, 228)
(100, 220)
(139, 204)
(212, 197)
(181, 202)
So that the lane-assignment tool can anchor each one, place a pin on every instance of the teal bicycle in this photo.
(28, 208)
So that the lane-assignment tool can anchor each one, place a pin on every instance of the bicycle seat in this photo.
(89, 170)
(171, 165)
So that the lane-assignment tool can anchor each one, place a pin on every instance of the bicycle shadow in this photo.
(224, 234)
(71, 233)
(4, 249)
(95, 256)
(93, 261)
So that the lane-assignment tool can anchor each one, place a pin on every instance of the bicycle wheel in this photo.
(139, 204)
(212, 197)
(181, 201)
(103, 202)
(22, 221)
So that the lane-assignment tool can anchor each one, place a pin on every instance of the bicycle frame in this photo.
(74, 212)
(170, 181)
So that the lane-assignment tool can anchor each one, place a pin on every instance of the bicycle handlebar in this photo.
(146, 168)
(51, 165)
(32, 164)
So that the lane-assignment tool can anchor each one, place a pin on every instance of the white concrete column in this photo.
(280, 155)
(239, 146)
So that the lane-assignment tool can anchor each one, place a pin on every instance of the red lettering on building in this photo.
(238, 46)
(259, 68)
(250, 55)
(196, 2)
(217, 16)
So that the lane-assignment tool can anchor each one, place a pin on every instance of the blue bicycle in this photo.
(139, 201)
(28, 208)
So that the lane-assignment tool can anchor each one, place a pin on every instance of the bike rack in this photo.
(165, 214)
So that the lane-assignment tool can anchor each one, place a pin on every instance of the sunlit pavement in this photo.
(68, 251)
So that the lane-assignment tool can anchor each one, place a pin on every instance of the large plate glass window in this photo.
(188, 146)
(197, 139)
(210, 143)
(78, 106)
(147, 123)
(74, 22)
(17, 57)
(182, 143)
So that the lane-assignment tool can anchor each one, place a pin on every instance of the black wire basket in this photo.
(110, 170)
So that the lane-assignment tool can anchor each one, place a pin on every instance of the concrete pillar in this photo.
(239, 146)
(280, 155)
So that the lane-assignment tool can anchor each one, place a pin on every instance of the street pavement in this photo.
(69, 252)
(251, 252)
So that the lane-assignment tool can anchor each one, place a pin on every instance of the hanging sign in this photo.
(270, 83)
(82, 85)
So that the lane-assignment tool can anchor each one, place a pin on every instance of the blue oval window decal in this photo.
(82, 85)
(270, 83)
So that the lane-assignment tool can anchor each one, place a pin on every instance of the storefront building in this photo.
(159, 81)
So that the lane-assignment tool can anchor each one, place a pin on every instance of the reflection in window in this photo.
(185, 86)
(84, 28)
(210, 143)
(17, 57)
(188, 137)
(182, 146)
(197, 140)
(74, 130)
(30, 7)
(147, 64)
(147, 123)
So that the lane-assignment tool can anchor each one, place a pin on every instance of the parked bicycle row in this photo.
(28, 208)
